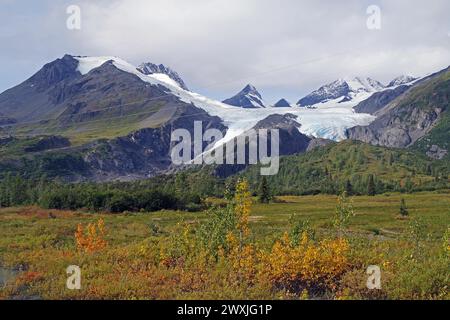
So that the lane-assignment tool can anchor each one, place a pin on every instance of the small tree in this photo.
(371, 186)
(298, 228)
(242, 204)
(403, 209)
(264, 191)
(344, 211)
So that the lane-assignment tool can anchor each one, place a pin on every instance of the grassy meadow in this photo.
(288, 249)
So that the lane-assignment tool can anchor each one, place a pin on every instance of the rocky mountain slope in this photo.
(380, 99)
(411, 117)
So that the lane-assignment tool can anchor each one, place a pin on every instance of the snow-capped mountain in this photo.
(401, 80)
(282, 103)
(343, 89)
(146, 108)
(71, 87)
(248, 97)
(162, 72)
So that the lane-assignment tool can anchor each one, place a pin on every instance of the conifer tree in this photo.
(263, 191)
(371, 186)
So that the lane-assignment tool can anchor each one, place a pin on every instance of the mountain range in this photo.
(101, 118)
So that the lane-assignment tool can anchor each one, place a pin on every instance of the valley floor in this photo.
(162, 255)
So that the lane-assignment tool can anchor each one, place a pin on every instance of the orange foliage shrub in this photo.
(93, 239)
(30, 276)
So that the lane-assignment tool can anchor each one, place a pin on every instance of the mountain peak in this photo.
(148, 68)
(401, 80)
(249, 97)
(250, 88)
(345, 88)
(282, 103)
(364, 84)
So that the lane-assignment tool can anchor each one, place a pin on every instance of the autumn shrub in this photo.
(92, 239)
(315, 267)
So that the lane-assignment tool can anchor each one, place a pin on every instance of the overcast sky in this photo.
(285, 48)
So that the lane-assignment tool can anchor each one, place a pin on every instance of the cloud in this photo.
(285, 48)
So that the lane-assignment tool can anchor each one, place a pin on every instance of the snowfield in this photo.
(325, 120)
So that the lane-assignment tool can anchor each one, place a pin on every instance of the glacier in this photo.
(327, 120)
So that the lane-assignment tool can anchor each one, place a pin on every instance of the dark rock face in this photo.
(282, 103)
(55, 72)
(249, 97)
(379, 100)
(291, 139)
(151, 68)
(32, 100)
(48, 143)
(146, 152)
(5, 140)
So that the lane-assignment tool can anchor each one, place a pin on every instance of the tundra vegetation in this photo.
(236, 248)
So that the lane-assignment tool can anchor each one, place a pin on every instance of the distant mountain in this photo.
(282, 103)
(342, 89)
(401, 80)
(248, 97)
(106, 119)
(155, 70)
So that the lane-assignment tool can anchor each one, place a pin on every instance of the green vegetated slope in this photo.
(347, 165)
(31, 158)
(107, 124)
(329, 169)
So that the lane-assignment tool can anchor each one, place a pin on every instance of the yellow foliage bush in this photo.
(311, 266)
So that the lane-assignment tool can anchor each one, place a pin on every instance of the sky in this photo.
(286, 48)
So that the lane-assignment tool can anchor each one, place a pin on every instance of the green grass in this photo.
(28, 228)
(379, 212)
